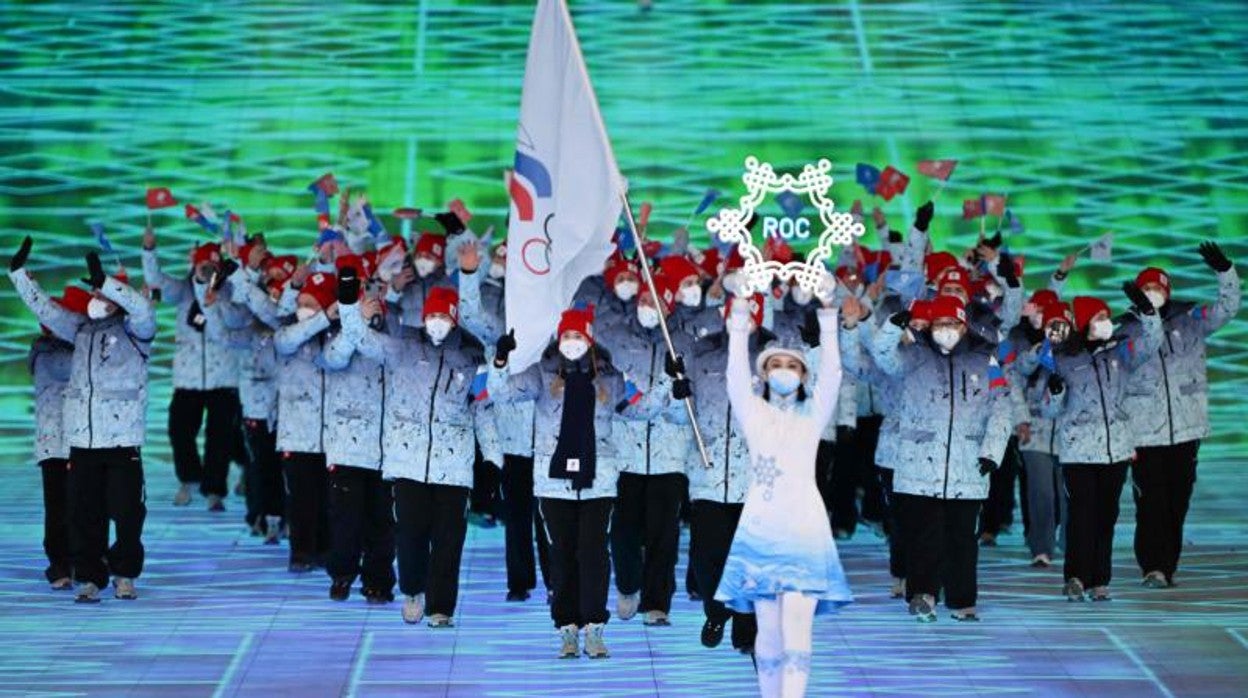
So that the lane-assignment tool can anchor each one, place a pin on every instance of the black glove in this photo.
(995, 241)
(504, 347)
(228, 267)
(923, 218)
(348, 286)
(986, 466)
(810, 330)
(681, 389)
(450, 223)
(18, 260)
(1006, 270)
(195, 317)
(901, 319)
(894, 236)
(1056, 384)
(673, 368)
(1139, 301)
(1210, 251)
(95, 271)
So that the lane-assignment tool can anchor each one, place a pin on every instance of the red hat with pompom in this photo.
(442, 300)
(323, 288)
(948, 308)
(577, 320)
(1086, 307)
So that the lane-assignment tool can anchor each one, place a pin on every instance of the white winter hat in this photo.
(778, 350)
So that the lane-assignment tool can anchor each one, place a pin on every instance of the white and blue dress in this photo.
(784, 542)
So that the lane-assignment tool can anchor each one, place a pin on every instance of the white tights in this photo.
(783, 647)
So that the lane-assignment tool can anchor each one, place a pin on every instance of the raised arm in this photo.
(738, 379)
(372, 344)
(1229, 292)
(885, 346)
(140, 315)
(254, 299)
(473, 316)
(63, 323)
(171, 290)
(288, 338)
(828, 374)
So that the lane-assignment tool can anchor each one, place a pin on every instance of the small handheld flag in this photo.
(457, 207)
(972, 209)
(892, 182)
(1102, 249)
(160, 197)
(994, 205)
(937, 169)
(194, 214)
(790, 203)
(97, 230)
(478, 392)
(707, 199)
(1045, 357)
(632, 395)
(867, 176)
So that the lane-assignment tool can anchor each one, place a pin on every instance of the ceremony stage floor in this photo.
(218, 615)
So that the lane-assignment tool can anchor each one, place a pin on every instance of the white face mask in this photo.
(305, 313)
(1101, 330)
(648, 316)
(98, 309)
(800, 295)
(438, 328)
(691, 296)
(993, 292)
(425, 266)
(497, 270)
(1157, 298)
(1035, 319)
(732, 283)
(946, 338)
(573, 349)
(627, 290)
(783, 381)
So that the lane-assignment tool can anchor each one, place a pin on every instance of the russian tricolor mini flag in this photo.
(996, 377)
(479, 391)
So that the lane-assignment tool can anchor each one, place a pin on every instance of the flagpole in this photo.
(667, 336)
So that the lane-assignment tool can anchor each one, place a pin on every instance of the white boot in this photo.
(626, 606)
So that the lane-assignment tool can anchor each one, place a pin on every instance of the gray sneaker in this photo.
(1074, 590)
(87, 593)
(568, 639)
(441, 620)
(413, 609)
(626, 606)
(1155, 580)
(654, 618)
(923, 608)
(183, 497)
(595, 648)
(123, 588)
(272, 530)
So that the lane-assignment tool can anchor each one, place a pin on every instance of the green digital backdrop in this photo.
(1126, 117)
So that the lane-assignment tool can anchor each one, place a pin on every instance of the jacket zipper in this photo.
(433, 398)
(203, 359)
(649, 386)
(727, 450)
(322, 372)
(381, 430)
(90, 391)
(1109, 446)
(949, 438)
(1165, 380)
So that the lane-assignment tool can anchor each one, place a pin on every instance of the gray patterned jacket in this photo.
(301, 384)
(51, 364)
(257, 358)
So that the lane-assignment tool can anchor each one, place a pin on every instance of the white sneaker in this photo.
(441, 620)
(898, 589)
(272, 529)
(595, 648)
(123, 588)
(413, 609)
(654, 618)
(569, 647)
(87, 593)
(183, 497)
(626, 606)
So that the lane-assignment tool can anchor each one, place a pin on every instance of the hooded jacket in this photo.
(51, 364)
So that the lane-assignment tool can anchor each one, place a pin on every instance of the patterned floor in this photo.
(1125, 116)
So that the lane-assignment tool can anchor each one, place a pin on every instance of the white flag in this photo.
(565, 188)
(1102, 250)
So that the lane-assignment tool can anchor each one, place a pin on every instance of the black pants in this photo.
(361, 509)
(1164, 477)
(710, 537)
(431, 524)
(524, 526)
(106, 484)
(941, 550)
(1094, 490)
(186, 415)
(307, 487)
(645, 537)
(266, 493)
(843, 484)
(998, 510)
(893, 522)
(485, 498)
(580, 563)
(866, 439)
(56, 518)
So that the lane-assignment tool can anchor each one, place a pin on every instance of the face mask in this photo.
(627, 290)
(648, 316)
(425, 267)
(732, 283)
(691, 296)
(783, 381)
(800, 295)
(1101, 330)
(305, 313)
(98, 309)
(1157, 298)
(377, 321)
(497, 270)
(438, 328)
(993, 292)
(946, 338)
(573, 349)
(1035, 321)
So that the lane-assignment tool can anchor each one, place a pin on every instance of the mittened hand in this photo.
(95, 271)
(1210, 251)
(1006, 270)
(505, 345)
(810, 330)
(1139, 301)
(923, 218)
(348, 286)
(228, 267)
(674, 368)
(986, 466)
(681, 389)
(195, 317)
(901, 319)
(1056, 385)
(18, 260)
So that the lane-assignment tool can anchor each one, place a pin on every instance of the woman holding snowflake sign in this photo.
(783, 564)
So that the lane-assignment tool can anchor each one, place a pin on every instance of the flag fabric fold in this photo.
(565, 189)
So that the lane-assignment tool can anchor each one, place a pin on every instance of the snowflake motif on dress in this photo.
(765, 474)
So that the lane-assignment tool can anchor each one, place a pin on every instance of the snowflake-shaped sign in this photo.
(839, 229)
(765, 474)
